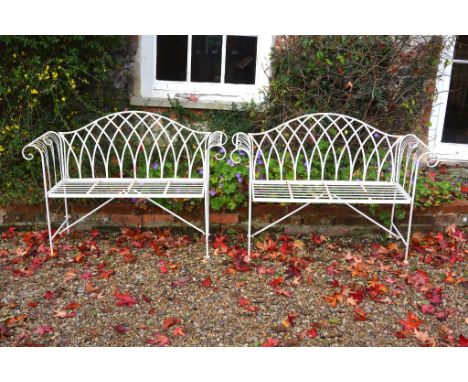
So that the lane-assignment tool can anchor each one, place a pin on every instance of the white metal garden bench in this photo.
(332, 158)
(129, 154)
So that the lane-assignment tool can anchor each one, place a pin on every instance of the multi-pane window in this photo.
(208, 70)
(203, 58)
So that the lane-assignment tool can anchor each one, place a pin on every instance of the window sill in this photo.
(203, 102)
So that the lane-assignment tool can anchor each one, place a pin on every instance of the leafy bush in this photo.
(53, 83)
(383, 80)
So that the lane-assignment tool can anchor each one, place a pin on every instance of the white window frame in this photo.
(446, 151)
(155, 92)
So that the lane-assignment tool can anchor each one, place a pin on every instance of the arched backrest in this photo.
(134, 144)
(323, 147)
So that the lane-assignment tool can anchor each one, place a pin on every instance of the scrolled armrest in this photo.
(41, 144)
(418, 150)
(218, 139)
(241, 142)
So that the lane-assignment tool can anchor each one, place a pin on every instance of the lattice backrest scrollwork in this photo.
(325, 147)
(134, 145)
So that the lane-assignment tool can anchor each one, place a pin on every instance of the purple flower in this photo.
(200, 171)
(155, 166)
(241, 153)
(259, 161)
(305, 164)
(134, 200)
(238, 175)
(212, 192)
(240, 180)
(376, 135)
(230, 163)
(222, 151)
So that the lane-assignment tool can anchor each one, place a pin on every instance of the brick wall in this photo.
(333, 220)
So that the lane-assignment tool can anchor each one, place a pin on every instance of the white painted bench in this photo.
(130, 154)
(332, 158)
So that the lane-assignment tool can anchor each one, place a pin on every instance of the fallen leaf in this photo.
(206, 282)
(170, 321)
(312, 333)
(159, 340)
(49, 295)
(179, 331)
(427, 309)
(462, 341)
(270, 342)
(46, 329)
(121, 329)
(359, 314)
(424, 339)
(125, 299)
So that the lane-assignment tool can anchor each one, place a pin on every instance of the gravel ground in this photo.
(156, 289)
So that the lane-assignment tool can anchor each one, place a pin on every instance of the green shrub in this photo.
(53, 83)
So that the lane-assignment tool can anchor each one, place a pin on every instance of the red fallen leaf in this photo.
(276, 282)
(49, 295)
(180, 282)
(46, 329)
(147, 299)
(94, 233)
(206, 282)
(179, 331)
(106, 274)
(220, 244)
(419, 279)
(156, 249)
(127, 255)
(292, 317)
(159, 340)
(243, 301)
(270, 342)
(170, 321)
(261, 270)
(162, 267)
(86, 275)
(434, 296)
(427, 309)
(9, 234)
(72, 305)
(412, 322)
(32, 304)
(462, 341)
(312, 333)
(152, 311)
(125, 299)
(121, 329)
(63, 314)
(282, 292)
(359, 314)
(441, 315)
(331, 269)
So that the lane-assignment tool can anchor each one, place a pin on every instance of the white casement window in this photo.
(448, 133)
(202, 71)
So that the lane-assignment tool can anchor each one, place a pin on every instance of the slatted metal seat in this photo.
(332, 158)
(329, 192)
(130, 154)
(125, 188)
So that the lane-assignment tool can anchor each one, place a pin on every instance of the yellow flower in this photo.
(14, 55)
(54, 75)
(34, 91)
(1, 148)
(63, 99)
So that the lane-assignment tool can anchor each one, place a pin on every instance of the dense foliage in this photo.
(386, 81)
(53, 83)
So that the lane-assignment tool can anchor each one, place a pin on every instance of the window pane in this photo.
(206, 58)
(461, 48)
(241, 59)
(456, 117)
(171, 58)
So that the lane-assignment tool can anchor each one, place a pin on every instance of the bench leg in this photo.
(207, 224)
(67, 217)
(49, 225)
(249, 228)
(408, 236)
